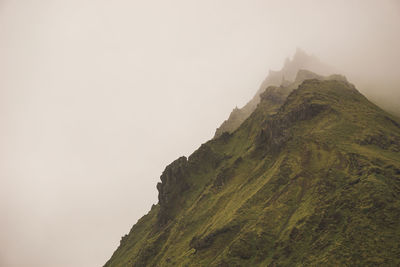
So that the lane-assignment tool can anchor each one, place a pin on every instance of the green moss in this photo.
(314, 181)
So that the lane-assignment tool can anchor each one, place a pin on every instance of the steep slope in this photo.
(311, 177)
(283, 77)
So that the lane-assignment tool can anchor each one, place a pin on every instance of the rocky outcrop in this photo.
(173, 184)
(277, 132)
(304, 74)
(175, 180)
(199, 243)
(274, 95)
(236, 118)
(290, 76)
(382, 141)
(203, 159)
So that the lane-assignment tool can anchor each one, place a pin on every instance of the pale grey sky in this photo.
(97, 97)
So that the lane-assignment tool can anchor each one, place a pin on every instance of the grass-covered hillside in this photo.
(310, 178)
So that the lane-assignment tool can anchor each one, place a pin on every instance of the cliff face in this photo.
(310, 178)
(172, 185)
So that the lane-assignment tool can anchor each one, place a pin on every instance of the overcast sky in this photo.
(97, 97)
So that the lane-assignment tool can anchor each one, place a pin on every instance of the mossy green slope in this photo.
(311, 178)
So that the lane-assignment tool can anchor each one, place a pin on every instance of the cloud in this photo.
(97, 97)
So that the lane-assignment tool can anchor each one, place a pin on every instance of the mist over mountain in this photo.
(97, 97)
(305, 174)
(285, 76)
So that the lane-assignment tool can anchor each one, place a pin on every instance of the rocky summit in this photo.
(311, 177)
(289, 74)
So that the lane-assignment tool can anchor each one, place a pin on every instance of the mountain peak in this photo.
(301, 65)
(301, 56)
(311, 177)
(302, 60)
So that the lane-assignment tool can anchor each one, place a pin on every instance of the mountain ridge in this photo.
(285, 76)
(310, 177)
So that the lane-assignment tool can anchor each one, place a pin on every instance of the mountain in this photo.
(310, 178)
(285, 76)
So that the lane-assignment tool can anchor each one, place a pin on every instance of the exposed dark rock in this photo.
(393, 121)
(203, 158)
(274, 95)
(357, 163)
(354, 181)
(382, 141)
(223, 177)
(200, 243)
(286, 77)
(173, 184)
(275, 133)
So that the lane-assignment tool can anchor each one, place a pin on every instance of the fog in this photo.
(97, 97)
